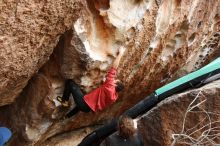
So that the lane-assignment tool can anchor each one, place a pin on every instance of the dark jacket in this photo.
(116, 140)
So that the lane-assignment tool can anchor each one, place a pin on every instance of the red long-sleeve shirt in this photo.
(104, 95)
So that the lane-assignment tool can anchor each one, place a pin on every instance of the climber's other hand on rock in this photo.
(121, 50)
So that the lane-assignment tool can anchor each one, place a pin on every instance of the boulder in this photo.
(46, 42)
(187, 118)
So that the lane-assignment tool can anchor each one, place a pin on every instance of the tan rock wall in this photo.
(188, 118)
(164, 40)
(29, 31)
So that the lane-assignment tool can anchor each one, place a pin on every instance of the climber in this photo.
(5, 135)
(97, 99)
(127, 134)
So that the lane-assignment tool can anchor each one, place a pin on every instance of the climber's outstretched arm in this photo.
(118, 57)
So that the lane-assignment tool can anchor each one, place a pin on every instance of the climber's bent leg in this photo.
(66, 94)
(72, 112)
(78, 97)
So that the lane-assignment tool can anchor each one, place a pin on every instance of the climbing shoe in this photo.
(64, 103)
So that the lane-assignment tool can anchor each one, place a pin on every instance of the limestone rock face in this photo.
(188, 118)
(29, 31)
(45, 42)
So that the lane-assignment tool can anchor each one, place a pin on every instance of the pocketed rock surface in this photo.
(45, 42)
(184, 119)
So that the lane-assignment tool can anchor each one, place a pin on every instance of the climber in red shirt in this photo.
(97, 99)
